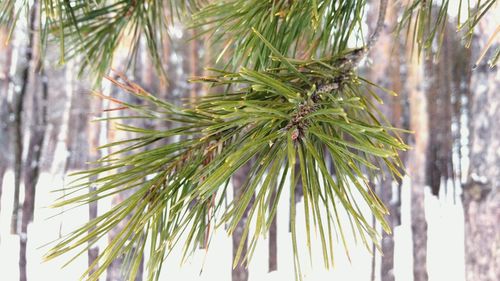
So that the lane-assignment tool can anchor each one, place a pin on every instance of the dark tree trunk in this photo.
(37, 136)
(440, 109)
(32, 167)
(481, 195)
(240, 272)
(18, 113)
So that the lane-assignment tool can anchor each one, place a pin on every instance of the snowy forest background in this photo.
(444, 214)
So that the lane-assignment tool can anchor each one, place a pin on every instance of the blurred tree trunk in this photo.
(79, 136)
(58, 149)
(145, 75)
(441, 95)
(114, 271)
(5, 64)
(449, 81)
(38, 126)
(481, 195)
(194, 66)
(32, 166)
(240, 272)
(82, 138)
(417, 163)
(18, 102)
(163, 87)
(384, 70)
(93, 134)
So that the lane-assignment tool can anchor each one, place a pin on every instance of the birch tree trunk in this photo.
(481, 194)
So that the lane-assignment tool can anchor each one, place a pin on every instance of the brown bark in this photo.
(163, 89)
(385, 71)
(439, 75)
(144, 73)
(163, 85)
(114, 272)
(481, 194)
(416, 165)
(194, 66)
(240, 272)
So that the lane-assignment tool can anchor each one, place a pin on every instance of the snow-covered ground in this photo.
(445, 245)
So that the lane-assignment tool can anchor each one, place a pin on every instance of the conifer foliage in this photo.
(285, 89)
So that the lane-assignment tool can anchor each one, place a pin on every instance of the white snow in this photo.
(445, 251)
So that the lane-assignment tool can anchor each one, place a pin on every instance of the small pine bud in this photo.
(295, 134)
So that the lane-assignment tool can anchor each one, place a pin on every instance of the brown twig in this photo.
(380, 24)
(375, 34)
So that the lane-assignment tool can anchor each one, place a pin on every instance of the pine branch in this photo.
(267, 118)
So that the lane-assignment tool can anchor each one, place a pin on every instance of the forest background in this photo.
(444, 211)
